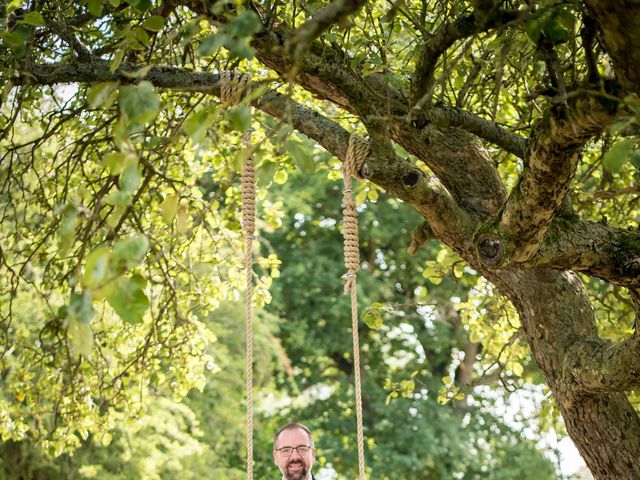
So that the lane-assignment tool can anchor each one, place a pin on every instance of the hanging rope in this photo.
(357, 153)
(248, 182)
(232, 87)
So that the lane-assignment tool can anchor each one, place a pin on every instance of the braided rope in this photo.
(357, 153)
(248, 182)
(232, 87)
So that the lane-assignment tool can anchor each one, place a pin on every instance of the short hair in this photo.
(292, 426)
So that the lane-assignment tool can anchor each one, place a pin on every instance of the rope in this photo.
(357, 153)
(248, 182)
(232, 86)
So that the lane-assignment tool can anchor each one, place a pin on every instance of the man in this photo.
(293, 452)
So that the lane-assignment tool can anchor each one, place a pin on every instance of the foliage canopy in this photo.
(509, 128)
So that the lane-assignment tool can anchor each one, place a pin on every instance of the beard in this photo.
(299, 472)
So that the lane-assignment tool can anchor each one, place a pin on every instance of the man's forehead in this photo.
(293, 437)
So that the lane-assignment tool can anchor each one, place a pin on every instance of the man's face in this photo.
(295, 466)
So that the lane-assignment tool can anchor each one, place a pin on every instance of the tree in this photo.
(510, 127)
(416, 425)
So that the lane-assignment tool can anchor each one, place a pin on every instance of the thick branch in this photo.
(487, 130)
(397, 176)
(593, 248)
(620, 26)
(598, 366)
(515, 234)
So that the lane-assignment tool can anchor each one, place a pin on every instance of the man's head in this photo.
(293, 451)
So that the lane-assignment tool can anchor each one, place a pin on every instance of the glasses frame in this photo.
(280, 452)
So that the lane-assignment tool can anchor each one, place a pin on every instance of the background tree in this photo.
(510, 127)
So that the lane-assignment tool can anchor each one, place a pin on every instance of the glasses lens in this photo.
(286, 451)
(303, 450)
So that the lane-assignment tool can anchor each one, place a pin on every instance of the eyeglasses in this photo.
(287, 451)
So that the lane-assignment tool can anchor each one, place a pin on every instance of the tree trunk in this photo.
(556, 313)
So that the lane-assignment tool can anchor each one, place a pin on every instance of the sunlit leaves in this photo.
(81, 337)
(104, 266)
(373, 315)
(183, 222)
(170, 208)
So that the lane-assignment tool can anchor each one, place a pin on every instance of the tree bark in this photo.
(556, 316)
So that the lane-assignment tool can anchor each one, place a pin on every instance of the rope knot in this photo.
(233, 86)
(357, 152)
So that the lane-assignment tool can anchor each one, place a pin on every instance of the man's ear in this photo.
(274, 458)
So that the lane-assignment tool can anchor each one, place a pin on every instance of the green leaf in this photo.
(96, 268)
(117, 59)
(197, 123)
(139, 73)
(133, 3)
(118, 198)
(81, 338)
(153, 23)
(142, 37)
(244, 25)
(170, 208)
(240, 47)
(211, 44)
(265, 172)
(99, 93)
(129, 252)
(281, 176)
(618, 154)
(635, 160)
(67, 228)
(80, 308)
(182, 220)
(301, 157)
(240, 118)
(129, 300)
(373, 319)
(555, 32)
(130, 179)
(95, 7)
(139, 104)
(114, 3)
(114, 162)
(34, 18)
